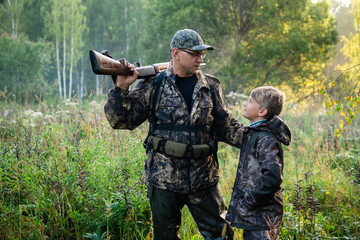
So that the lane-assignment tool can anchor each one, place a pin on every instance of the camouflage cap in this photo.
(189, 39)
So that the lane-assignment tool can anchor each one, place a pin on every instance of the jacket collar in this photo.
(200, 76)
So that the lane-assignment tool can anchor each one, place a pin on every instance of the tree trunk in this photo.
(58, 66)
(12, 19)
(64, 53)
(82, 79)
(72, 49)
(126, 27)
(57, 51)
(97, 85)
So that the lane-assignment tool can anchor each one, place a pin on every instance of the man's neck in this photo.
(188, 77)
(182, 74)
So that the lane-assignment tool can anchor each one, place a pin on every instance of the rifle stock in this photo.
(103, 64)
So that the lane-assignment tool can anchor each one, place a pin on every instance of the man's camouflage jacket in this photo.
(128, 109)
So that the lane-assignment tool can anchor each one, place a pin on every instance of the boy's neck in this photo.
(257, 119)
(253, 123)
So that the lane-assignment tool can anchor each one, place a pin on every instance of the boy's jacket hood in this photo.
(277, 127)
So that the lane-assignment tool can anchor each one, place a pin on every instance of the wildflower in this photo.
(63, 112)
(49, 117)
(67, 102)
(28, 112)
(36, 114)
(93, 103)
(352, 182)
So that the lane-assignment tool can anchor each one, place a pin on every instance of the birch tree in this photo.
(11, 13)
(66, 23)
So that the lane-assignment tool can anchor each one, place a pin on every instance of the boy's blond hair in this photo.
(270, 98)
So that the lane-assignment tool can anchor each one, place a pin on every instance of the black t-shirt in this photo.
(186, 87)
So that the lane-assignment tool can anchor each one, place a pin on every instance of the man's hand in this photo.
(125, 81)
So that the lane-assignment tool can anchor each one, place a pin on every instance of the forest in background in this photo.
(305, 47)
(44, 45)
(65, 174)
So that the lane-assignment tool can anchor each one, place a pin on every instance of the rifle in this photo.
(103, 64)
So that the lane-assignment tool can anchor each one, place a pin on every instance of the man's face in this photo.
(187, 62)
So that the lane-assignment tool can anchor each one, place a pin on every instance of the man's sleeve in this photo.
(227, 128)
(126, 109)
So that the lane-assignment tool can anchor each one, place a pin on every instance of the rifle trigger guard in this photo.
(137, 64)
(106, 53)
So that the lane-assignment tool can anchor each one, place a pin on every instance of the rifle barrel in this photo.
(105, 65)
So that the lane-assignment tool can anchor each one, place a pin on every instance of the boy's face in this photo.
(253, 111)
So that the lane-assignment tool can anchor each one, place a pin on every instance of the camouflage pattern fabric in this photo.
(128, 109)
(257, 196)
(188, 39)
(260, 235)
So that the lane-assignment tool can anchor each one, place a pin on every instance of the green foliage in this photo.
(24, 65)
(273, 42)
(349, 162)
(96, 236)
(306, 205)
(288, 42)
(343, 96)
(66, 174)
(342, 92)
(63, 176)
(312, 179)
(165, 18)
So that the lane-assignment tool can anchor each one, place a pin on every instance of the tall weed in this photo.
(65, 174)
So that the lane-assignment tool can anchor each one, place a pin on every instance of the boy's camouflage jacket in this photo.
(128, 109)
(257, 189)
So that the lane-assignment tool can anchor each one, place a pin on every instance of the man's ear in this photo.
(263, 112)
(175, 53)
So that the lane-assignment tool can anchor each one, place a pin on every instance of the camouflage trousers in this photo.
(260, 235)
(207, 211)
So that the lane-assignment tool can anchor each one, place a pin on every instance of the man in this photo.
(187, 116)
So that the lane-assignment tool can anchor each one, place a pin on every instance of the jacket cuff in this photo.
(121, 91)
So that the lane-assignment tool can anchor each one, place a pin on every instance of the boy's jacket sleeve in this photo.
(270, 167)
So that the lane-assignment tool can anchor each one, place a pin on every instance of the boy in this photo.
(257, 202)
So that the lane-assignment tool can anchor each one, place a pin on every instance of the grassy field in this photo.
(65, 174)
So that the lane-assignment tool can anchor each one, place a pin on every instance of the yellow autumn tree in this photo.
(343, 93)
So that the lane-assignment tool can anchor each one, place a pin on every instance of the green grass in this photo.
(65, 174)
